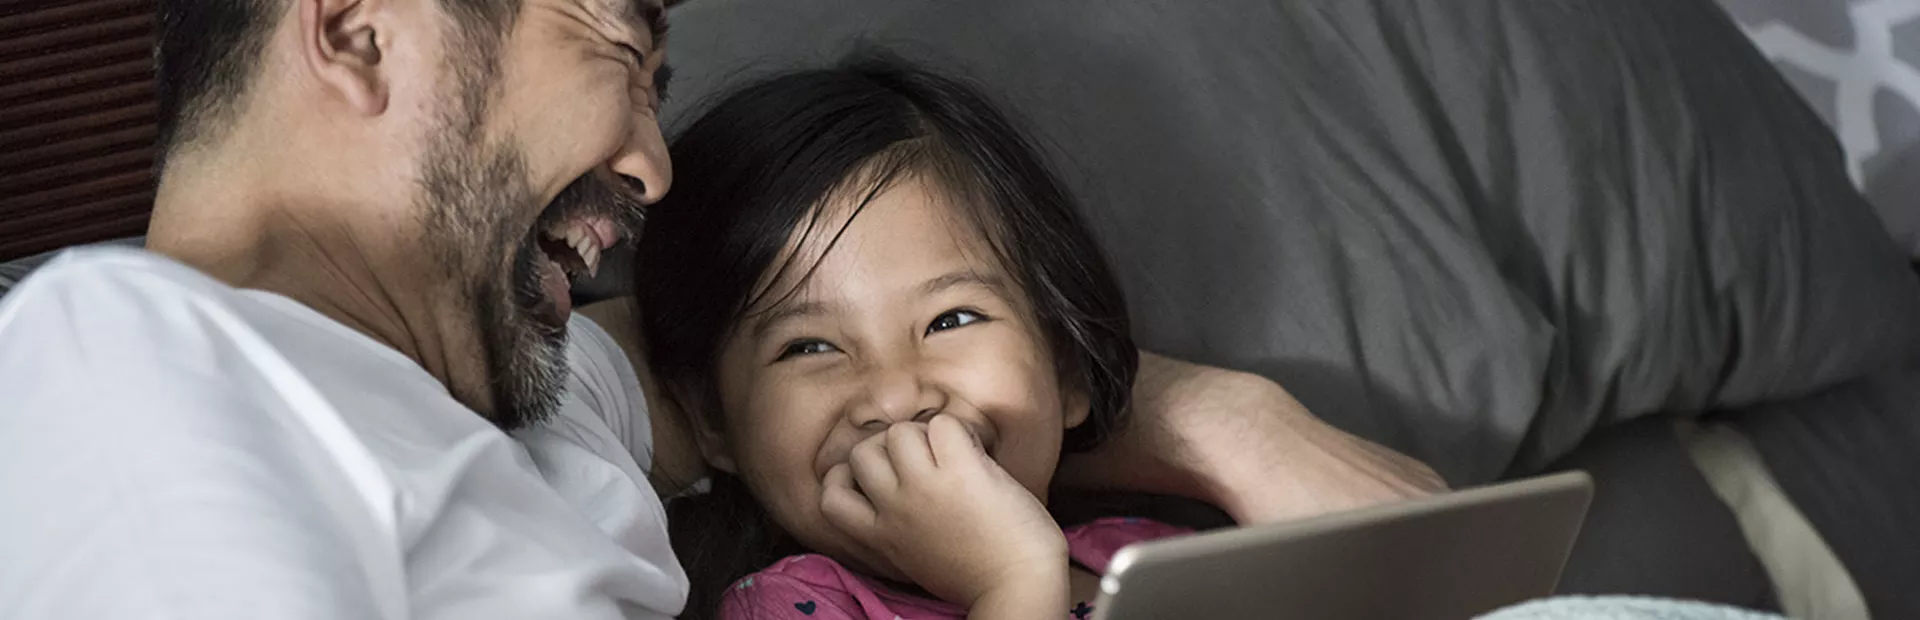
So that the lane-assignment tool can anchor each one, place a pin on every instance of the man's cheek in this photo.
(583, 130)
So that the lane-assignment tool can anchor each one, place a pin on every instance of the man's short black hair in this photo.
(207, 52)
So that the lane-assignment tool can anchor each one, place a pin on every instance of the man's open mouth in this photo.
(570, 248)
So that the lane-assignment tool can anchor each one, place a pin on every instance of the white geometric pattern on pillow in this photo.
(1858, 64)
(1858, 74)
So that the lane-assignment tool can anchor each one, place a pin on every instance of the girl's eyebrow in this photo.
(964, 277)
(773, 317)
(765, 322)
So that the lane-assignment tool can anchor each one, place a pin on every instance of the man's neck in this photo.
(312, 254)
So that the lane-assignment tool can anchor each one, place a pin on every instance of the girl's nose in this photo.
(894, 395)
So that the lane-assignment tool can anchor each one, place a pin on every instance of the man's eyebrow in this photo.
(962, 278)
(773, 317)
(661, 78)
(643, 16)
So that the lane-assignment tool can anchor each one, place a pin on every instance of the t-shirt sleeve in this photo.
(145, 473)
(774, 596)
(604, 381)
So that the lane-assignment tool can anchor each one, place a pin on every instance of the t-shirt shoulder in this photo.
(122, 298)
(602, 379)
(109, 301)
(123, 325)
(159, 459)
(92, 273)
(253, 430)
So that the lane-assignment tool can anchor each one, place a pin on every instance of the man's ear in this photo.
(341, 45)
(714, 449)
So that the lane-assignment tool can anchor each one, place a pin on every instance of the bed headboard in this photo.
(76, 122)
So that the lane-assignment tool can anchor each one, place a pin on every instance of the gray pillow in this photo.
(1858, 63)
(1470, 229)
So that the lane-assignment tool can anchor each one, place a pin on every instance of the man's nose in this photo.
(644, 159)
(893, 395)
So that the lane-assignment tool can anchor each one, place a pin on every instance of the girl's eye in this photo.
(953, 319)
(799, 348)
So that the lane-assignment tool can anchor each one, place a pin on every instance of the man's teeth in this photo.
(583, 248)
(583, 242)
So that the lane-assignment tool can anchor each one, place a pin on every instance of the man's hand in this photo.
(1242, 443)
(930, 500)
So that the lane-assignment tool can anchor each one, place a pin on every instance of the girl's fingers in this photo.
(907, 446)
(872, 469)
(951, 442)
(843, 505)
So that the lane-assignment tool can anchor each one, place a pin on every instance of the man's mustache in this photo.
(596, 194)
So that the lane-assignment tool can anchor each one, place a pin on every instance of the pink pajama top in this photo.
(815, 587)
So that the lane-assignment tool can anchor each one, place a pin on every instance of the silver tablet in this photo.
(1452, 556)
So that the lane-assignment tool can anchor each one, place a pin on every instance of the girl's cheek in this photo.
(1016, 370)
(792, 426)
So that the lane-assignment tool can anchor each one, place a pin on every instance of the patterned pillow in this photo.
(1858, 63)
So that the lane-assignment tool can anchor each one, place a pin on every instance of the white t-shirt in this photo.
(171, 447)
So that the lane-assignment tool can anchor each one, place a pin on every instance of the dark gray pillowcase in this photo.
(1470, 229)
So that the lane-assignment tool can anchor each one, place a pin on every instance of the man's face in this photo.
(546, 146)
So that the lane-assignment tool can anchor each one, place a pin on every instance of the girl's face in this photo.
(907, 316)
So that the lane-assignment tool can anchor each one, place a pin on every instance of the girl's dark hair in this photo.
(760, 164)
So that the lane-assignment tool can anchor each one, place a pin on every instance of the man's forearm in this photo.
(1242, 443)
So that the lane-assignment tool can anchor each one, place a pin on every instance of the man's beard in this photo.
(475, 194)
(472, 193)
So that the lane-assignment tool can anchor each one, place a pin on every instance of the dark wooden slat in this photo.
(129, 28)
(132, 50)
(21, 19)
(43, 110)
(118, 73)
(119, 162)
(25, 159)
(103, 119)
(24, 205)
(76, 122)
(110, 221)
(80, 213)
(80, 216)
(126, 217)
